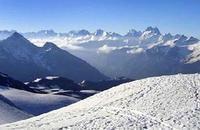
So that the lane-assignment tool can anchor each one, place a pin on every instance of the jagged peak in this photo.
(47, 31)
(193, 39)
(114, 34)
(183, 37)
(16, 35)
(82, 32)
(17, 38)
(133, 32)
(48, 45)
(168, 34)
(99, 32)
(153, 30)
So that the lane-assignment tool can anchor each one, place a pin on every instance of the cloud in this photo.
(74, 47)
(135, 51)
(128, 49)
(106, 49)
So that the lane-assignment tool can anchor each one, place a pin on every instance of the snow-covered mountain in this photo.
(24, 61)
(166, 102)
(41, 34)
(62, 39)
(149, 35)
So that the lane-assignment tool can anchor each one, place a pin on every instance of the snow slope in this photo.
(34, 103)
(9, 112)
(158, 102)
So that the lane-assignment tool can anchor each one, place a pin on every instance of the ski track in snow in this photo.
(166, 102)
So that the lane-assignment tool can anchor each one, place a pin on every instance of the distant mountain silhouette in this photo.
(24, 61)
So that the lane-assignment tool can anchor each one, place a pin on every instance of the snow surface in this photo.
(166, 102)
(37, 80)
(52, 77)
(34, 103)
(10, 113)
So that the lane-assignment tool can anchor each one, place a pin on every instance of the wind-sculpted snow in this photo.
(34, 103)
(9, 112)
(166, 102)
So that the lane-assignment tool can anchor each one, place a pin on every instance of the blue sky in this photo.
(175, 16)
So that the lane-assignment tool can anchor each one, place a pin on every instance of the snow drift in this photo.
(152, 103)
(9, 112)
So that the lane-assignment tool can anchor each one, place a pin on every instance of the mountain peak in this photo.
(100, 32)
(183, 38)
(84, 32)
(168, 36)
(153, 30)
(17, 38)
(49, 45)
(81, 32)
(50, 31)
(16, 35)
(193, 39)
(113, 34)
(133, 32)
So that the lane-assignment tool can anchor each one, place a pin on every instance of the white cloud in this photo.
(74, 47)
(135, 51)
(130, 49)
(106, 49)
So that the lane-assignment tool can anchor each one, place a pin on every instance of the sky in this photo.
(174, 16)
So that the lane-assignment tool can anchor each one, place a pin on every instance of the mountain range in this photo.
(24, 61)
(135, 55)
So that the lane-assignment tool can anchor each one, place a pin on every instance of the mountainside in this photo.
(166, 102)
(104, 84)
(24, 61)
(7, 81)
(60, 86)
(54, 82)
(9, 112)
